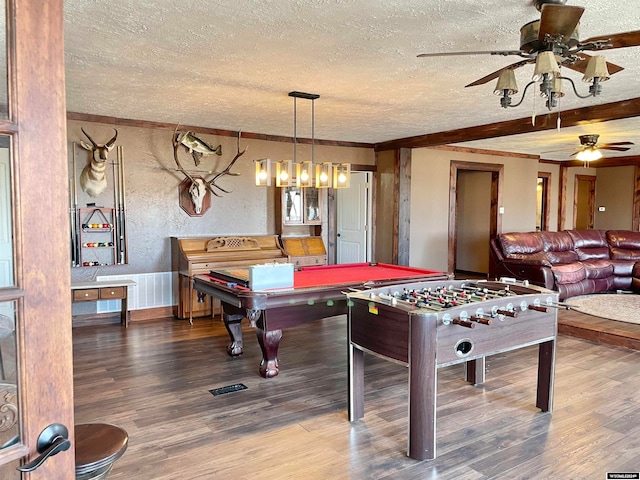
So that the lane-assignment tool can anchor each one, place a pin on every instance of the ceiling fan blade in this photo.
(497, 73)
(616, 149)
(504, 53)
(618, 40)
(614, 144)
(581, 65)
(559, 20)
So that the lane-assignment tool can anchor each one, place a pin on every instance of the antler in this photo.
(211, 184)
(95, 145)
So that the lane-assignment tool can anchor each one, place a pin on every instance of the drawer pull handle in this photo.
(113, 293)
(86, 294)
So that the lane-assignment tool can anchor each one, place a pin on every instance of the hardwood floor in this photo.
(153, 379)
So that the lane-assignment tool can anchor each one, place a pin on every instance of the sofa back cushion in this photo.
(523, 246)
(517, 243)
(590, 244)
(558, 247)
(624, 244)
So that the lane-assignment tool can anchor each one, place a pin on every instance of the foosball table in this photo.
(433, 324)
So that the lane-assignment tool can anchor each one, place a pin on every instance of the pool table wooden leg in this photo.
(233, 324)
(269, 341)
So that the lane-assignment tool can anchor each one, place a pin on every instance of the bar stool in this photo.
(98, 446)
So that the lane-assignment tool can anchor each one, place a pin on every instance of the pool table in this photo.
(318, 292)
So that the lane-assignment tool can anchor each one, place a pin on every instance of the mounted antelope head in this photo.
(200, 187)
(92, 178)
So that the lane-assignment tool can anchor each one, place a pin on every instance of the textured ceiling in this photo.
(230, 65)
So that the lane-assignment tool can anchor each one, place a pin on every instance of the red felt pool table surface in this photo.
(355, 273)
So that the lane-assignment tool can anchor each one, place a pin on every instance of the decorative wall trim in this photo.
(152, 290)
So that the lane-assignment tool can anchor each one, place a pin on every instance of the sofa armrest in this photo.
(534, 272)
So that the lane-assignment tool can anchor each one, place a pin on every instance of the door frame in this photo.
(495, 219)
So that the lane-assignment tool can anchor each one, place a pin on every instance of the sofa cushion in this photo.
(598, 268)
(561, 257)
(558, 246)
(588, 238)
(520, 243)
(589, 244)
(556, 241)
(624, 244)
(569, 273)
(622, 268)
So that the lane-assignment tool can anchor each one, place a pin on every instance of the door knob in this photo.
(339, 235)
(52, 440)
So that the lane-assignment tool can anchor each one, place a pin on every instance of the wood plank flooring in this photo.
(153, 379)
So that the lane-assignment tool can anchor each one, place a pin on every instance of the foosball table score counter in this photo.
(428, 325)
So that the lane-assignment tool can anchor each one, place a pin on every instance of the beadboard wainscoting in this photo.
(152, 290)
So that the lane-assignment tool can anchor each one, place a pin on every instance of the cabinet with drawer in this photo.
(104, 290)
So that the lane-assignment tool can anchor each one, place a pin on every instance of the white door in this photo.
(353, 220)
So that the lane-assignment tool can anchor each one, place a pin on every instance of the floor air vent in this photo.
(228, 389)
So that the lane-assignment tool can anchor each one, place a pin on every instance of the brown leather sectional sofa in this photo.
(572, 262)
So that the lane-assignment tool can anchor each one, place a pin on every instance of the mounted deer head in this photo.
(200, 187)
(92, 178)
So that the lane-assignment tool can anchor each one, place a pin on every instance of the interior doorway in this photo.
(353, 220)
(475, 197)
(584, 201)
(543, 200)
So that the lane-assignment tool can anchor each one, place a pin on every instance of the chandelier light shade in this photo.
(558, 88)
(596, 68)
(304, 174)
(323, 175)
(341, 175)
(506, 81)
(263, 172)
(284, 173)
(546, 63)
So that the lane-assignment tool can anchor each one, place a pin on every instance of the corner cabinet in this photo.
(300, 210)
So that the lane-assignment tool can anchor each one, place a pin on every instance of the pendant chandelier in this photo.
(306, 173)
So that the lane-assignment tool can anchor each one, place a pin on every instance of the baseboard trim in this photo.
(151, 314)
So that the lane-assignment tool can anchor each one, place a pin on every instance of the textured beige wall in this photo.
(430, 200)
(153, 211)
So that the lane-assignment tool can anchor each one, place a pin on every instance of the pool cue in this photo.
(124, 258)
(76, 212)
(114, 217)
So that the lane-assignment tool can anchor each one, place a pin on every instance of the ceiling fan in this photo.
(589, 148)
(556, 31)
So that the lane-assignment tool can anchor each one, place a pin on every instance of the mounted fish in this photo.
(197, 147)
(196, 189)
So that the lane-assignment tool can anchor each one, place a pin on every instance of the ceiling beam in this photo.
(570, 118)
